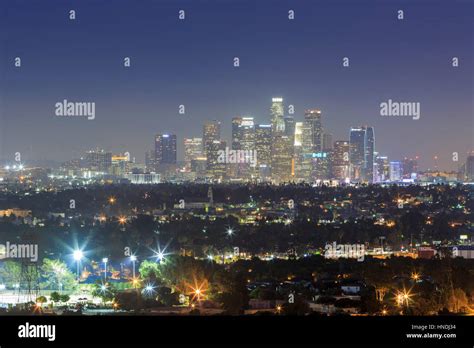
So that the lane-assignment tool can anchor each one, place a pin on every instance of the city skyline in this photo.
(133, 104)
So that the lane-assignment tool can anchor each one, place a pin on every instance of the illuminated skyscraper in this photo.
(369, 154)
(327, 142)
(298, 151)
(395, 171)
(263, 146)
(243, 138)
(289, 127)
(120, 164)
(357, 153)
(340, 160)
(362, 148)
(193, 149)
(243, 133)
(216, 166)
(311, 144)
(381, 168)
(211, 132)
(277, 112)
(282, 159)
(469, 167)
(314, 129)
(165, 149)
(99, 161)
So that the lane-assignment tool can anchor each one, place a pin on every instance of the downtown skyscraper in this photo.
(362, 149)
(282, 145)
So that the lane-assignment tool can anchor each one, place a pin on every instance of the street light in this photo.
(133, 258)
(105, 260)
(78, 254)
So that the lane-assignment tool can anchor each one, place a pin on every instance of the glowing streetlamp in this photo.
(105, 260)
(133, 258)
(230, 231)
(78, 255)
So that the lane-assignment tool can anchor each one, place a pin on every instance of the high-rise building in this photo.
(282, 159)
(469, 167)
(395, 171)
(211, 132)
(263, 146)
(150, 165)
(216, 167)
(314, 130)
(277, 112)
(340, 160)
(298, 150)
(362, 148)
(243, 133)
(311, 144)
(327, 142)
(381, 168)
(369, 155)
(357, 153)
(99, 161)
(289, 127)
(243, 138)
(120, 164)
(193, 149)
(165, 149)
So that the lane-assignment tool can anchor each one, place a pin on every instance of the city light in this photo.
(112, 200)
(230, 231)
(78, 255)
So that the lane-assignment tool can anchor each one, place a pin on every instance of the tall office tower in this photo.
(99, 161)
(193, 149)
(298, 150)
(469, 167)
(409, 166)
(395, 171)
(243, 138)
(340, 161)
(313, 125)
(215, 163)
(311, 143)
(263, 146)
(277, 116)
(289, 126)
(150, 165)
(369, 154)
(327, 142)
(282, 159)
(381, 168)
(211, 131)
(362, 148)
(165, 149)
(243, 133)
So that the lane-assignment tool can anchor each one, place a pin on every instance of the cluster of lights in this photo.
(15, 167)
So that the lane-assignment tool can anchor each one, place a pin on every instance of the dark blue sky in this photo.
(190, 62)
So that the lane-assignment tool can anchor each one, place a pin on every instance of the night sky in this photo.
(190, 62)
